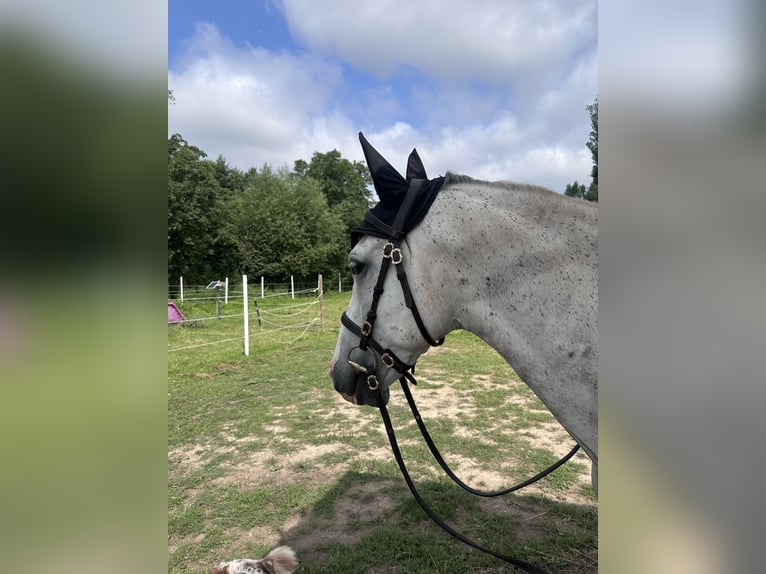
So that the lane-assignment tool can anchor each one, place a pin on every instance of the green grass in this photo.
(262, 451)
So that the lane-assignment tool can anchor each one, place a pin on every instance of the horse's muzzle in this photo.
(351, 382)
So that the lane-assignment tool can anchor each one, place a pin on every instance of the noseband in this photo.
(392, 253)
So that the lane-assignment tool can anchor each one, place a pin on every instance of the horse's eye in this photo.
(356, 267)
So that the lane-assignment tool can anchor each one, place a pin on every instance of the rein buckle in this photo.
(366, 328)
(372, 383)
(388, 360)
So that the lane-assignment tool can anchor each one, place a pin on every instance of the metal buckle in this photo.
(392, 253)
(372, 383)
(366, 329)
(388, 360)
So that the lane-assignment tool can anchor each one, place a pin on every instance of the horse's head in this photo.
(395, 333)
(382, 334)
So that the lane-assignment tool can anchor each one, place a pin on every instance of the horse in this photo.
(515, 264)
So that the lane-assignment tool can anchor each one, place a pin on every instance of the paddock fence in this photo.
(226, 312)
(260, 287)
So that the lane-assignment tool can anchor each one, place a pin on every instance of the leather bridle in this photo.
(392, 254)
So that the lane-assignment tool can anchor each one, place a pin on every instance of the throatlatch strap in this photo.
(401, 218)
(410, 302)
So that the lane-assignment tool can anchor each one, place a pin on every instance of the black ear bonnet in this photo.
(391, 188)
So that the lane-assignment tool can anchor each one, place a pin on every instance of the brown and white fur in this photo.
(281, 560)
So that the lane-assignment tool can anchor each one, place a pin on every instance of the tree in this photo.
(200, 244)
(285, 226)
(344, 184)
(575, 190)
(176, 142)
(228, 177)
(222, 220)
(592, 143)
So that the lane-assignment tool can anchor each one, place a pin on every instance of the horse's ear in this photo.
(387, 181)
(415, 169)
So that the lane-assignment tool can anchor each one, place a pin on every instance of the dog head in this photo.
(281, 560)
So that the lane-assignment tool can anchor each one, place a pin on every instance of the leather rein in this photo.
(392, 253)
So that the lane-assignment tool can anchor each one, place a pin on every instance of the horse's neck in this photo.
(524, 267)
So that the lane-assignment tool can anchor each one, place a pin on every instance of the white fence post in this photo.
(340, 283)
(262, 287)
(320, 288)
(247, 325)
(181, 280)
(226, 293)
(292, 287)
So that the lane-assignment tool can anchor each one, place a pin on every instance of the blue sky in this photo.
(490, 88)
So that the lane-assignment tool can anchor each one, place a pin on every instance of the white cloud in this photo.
(500, 150)
(491, 40)
(248, 104)
(254, 106)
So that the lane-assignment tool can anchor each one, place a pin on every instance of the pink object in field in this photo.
(174, 313)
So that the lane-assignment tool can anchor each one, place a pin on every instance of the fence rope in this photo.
(205, 344)
(285, 326)
(200, 298)
(176, 296)
(304, 307)
(276, 313)
(308, 326)
(207, 318)
(302, 292)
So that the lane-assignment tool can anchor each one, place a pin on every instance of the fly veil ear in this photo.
(415, 169)
(389, 183)
(392, 188)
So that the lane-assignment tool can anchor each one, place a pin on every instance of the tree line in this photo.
(223, 221)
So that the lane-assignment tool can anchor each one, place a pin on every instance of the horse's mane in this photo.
(540, 198)
(459, 178)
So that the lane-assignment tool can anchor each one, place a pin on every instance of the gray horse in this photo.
(515, 264)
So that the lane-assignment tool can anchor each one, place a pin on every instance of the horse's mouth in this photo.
(355, 390)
